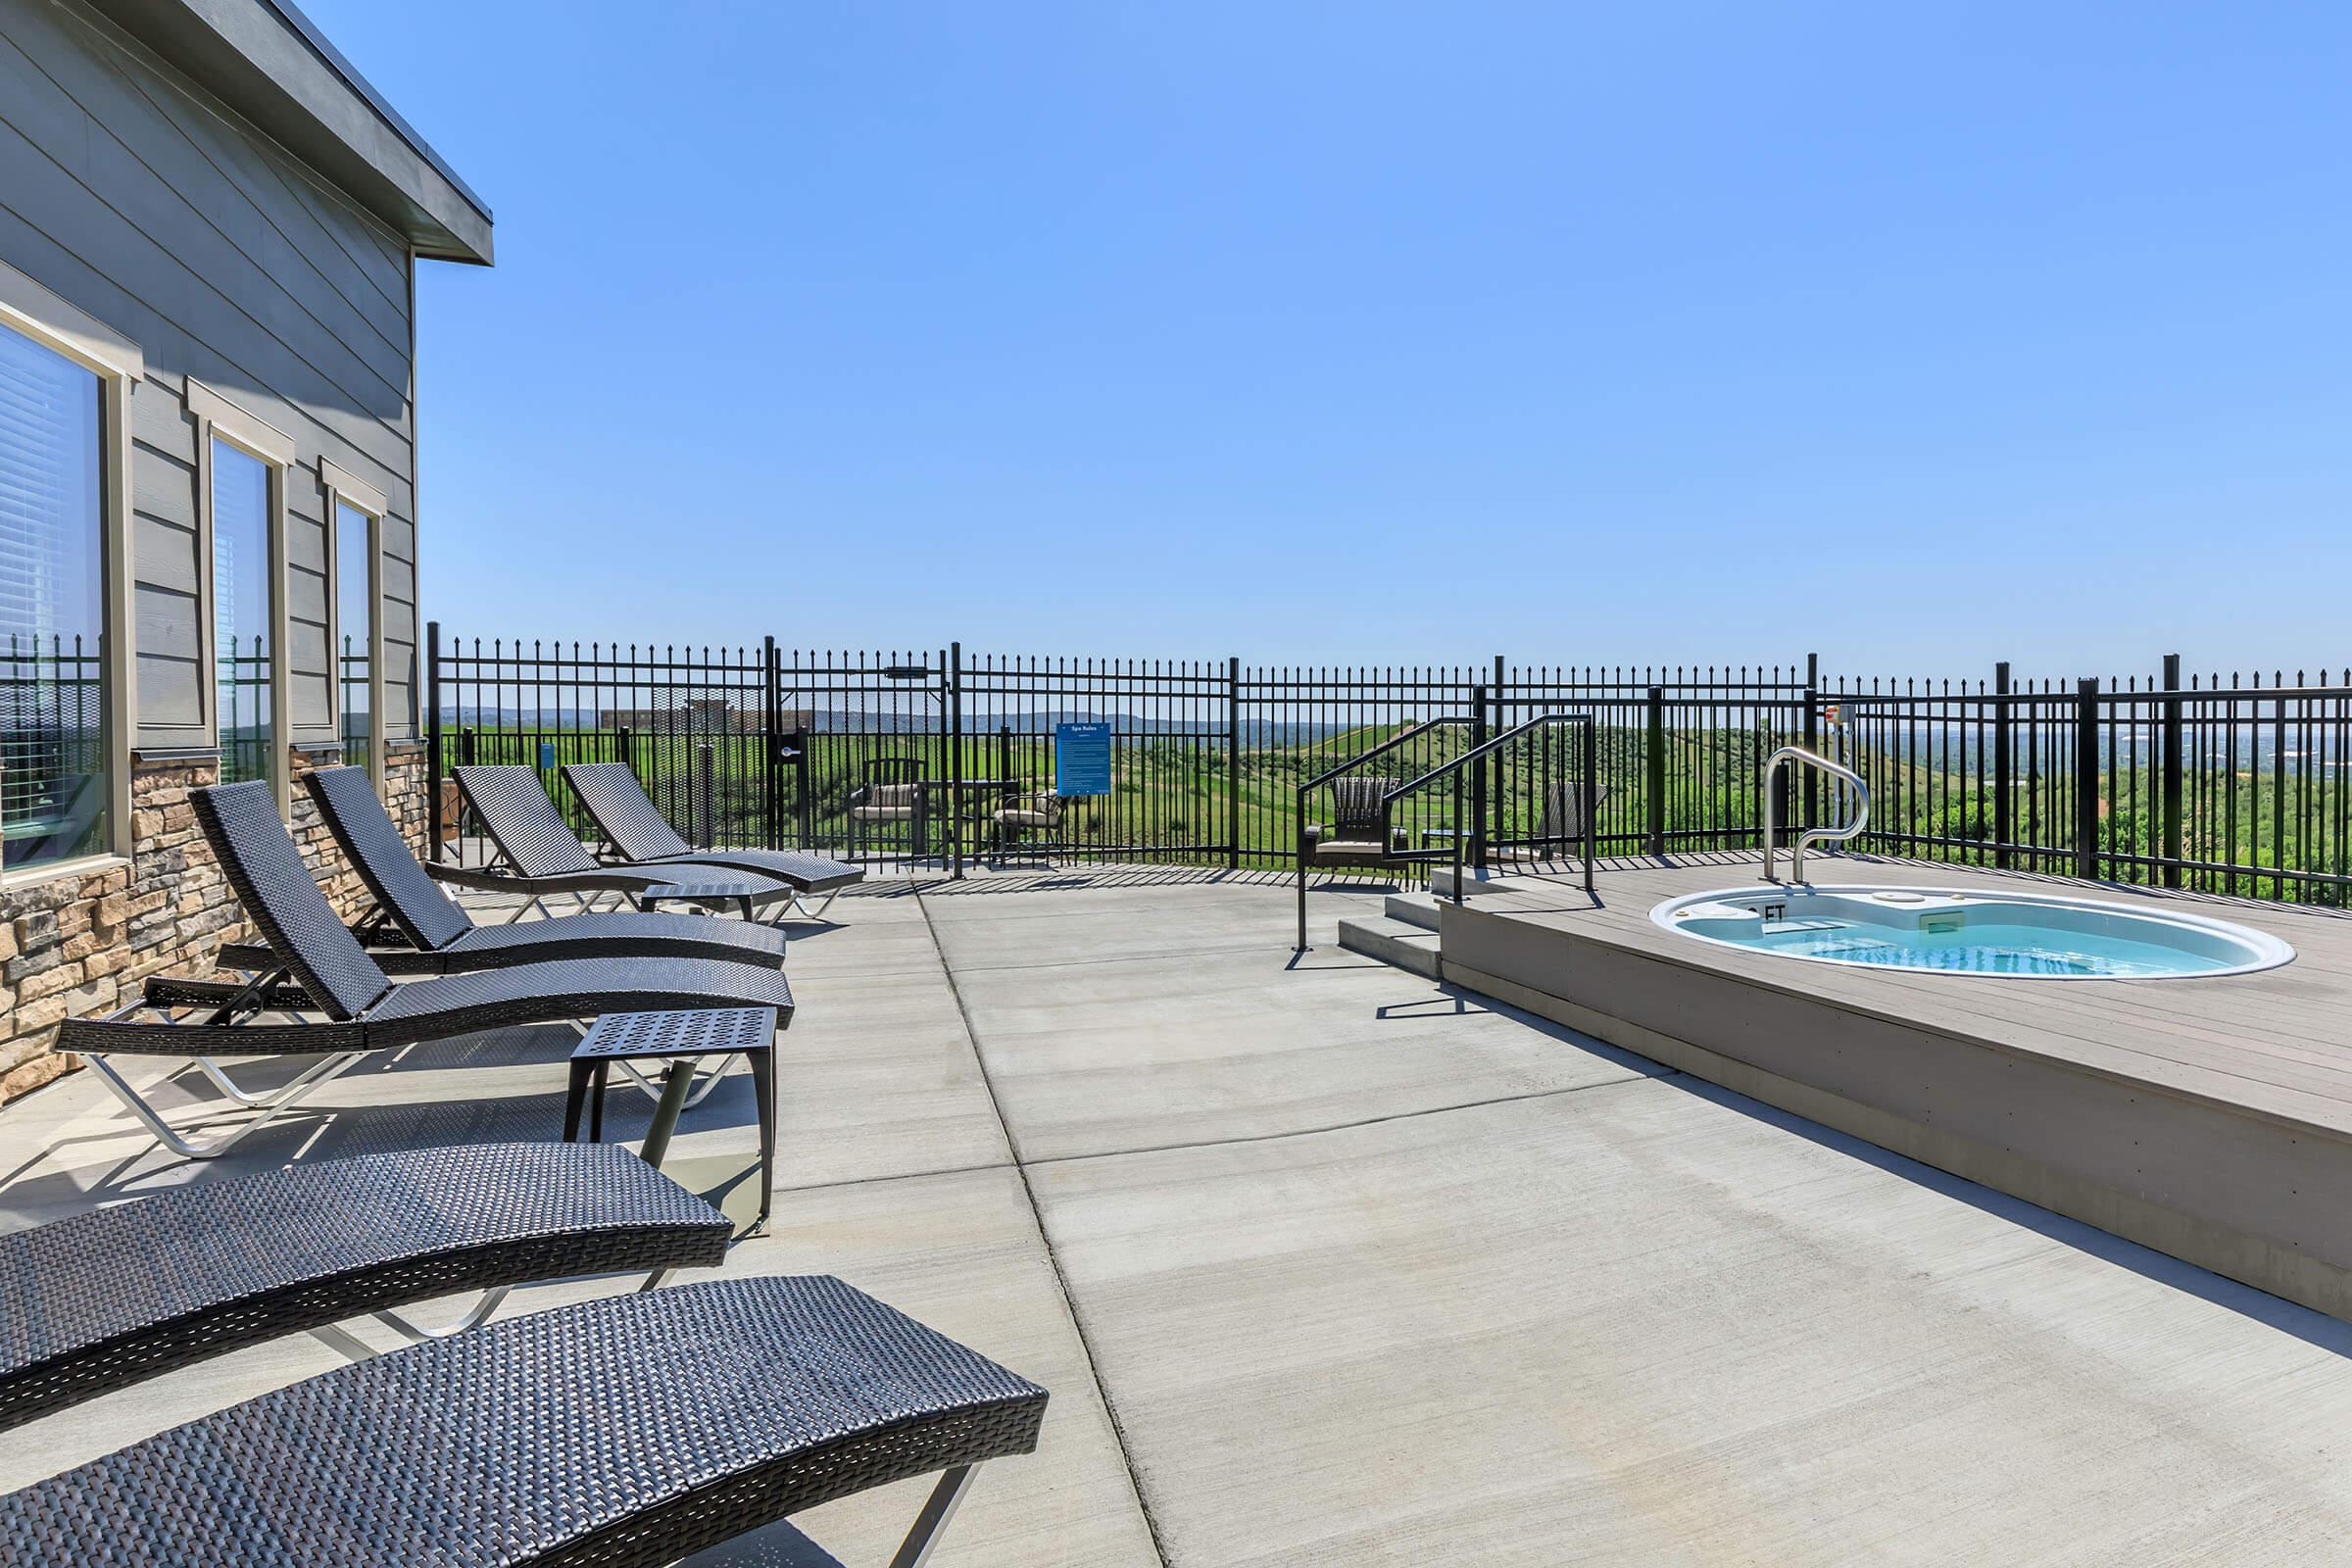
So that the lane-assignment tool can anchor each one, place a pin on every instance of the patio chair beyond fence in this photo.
(626, 1432)
(1033, 811)
(415, 928)
(333, 975)
(111, 1297)
(1359, 833)
(635, 830)
(889, 794)
(1563, 817)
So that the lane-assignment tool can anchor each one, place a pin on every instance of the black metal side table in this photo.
(684, 1039)
(733, 890)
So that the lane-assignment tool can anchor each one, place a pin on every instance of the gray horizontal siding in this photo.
(401, 677)
(164, 547)
(130, 139)
(309, 683)
(167, 556)
(162, 426)
(126, 193)
(161, 487)
(402, 714)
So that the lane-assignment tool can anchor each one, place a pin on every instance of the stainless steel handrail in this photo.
(1772, 823)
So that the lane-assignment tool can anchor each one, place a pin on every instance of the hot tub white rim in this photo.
(2270, 951)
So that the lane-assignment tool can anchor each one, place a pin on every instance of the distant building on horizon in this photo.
(699, 715)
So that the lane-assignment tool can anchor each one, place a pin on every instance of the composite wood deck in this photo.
(2278, 1043)
(2210, 1118)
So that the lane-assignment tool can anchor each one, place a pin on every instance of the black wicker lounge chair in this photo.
(330, 972)
(415, 928)
(110, 1297)
(624, 1433)
(638, 833)
(533, 841)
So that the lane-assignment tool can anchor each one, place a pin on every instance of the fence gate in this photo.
(878, 722)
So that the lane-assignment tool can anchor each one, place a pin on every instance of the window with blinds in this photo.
(52, 743)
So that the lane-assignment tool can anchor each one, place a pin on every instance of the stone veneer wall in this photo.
(81, 944)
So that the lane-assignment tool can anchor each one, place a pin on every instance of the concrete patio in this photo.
(1326, 1264)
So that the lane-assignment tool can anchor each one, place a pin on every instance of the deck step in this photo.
(1410, 948)
(1474, 883)
(1413, 909)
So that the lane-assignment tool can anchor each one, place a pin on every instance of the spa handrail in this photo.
(1407, 733)
(1588, 807)
(1307, 787)
(1836, 835)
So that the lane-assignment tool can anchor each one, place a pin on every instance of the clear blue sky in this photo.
(1920, 335)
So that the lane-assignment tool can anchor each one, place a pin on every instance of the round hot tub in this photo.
(2015, 936)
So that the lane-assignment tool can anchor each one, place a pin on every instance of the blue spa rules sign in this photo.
(1082, 759)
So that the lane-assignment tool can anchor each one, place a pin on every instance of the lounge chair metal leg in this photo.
(186, 1148)
(932, 1523)
(243, 1096)
(800, 903)
(337, 1337)
(475, 1316)
(714, 1070)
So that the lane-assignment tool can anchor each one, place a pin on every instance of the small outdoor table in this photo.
(683, 1038)
(733, 890)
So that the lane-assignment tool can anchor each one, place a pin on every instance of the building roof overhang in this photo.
(271, 65)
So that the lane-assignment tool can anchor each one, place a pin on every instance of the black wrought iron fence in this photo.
(701, 727)
(353, 720)
(2232, 785)
(243, 705)
(52, 750)
(1679, 751)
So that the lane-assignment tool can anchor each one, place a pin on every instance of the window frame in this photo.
(340, 490)
(220, 419)
(32, 310)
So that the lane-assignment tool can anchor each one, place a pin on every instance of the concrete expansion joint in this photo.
(1074, 964)
(1365, 1121)
(1023, 1164)
(897, 1176)
(1061, 1279)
